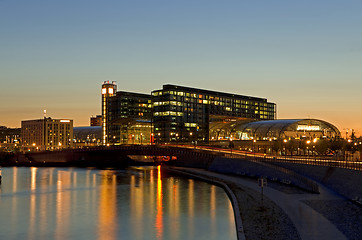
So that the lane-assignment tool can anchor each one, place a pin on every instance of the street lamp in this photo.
(191, 139)
(285, 148)
(231, 145)
(254, 141)
(308, 142)
(314, 154)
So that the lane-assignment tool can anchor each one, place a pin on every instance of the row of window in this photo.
(189, 96)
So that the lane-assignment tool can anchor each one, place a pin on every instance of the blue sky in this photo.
(306, 56)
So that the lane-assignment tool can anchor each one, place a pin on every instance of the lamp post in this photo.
(314, 153)
(191, 139)
(254, 141)
(285, 148)
(308, 142)
(231, 145)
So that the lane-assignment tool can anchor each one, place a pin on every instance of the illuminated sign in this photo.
(110, 90)
(308, 128)
(104, 91)
(64, 121)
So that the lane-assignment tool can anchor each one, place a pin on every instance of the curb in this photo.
(239, 224)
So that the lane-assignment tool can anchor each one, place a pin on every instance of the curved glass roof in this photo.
(278, 128)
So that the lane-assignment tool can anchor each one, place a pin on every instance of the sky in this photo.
(305, 56)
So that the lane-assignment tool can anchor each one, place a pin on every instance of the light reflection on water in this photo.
(138, 203)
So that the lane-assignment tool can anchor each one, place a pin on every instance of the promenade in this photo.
(310, 224)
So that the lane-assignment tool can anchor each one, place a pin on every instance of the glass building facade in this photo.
(183, 114)
(274, 129)
(173, 114)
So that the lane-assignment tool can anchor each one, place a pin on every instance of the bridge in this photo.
(341, 176)
(199, 155)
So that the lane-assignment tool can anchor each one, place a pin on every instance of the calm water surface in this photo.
(138, 203)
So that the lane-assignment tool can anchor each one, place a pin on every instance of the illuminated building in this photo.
(274, 129)
(108, 90)
(174, 113)
(184, 114)
(96, 121)
(126, 116)
(47, 134)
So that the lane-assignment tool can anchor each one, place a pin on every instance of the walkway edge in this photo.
(238, 222)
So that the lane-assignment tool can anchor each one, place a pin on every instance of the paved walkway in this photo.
(310, 224)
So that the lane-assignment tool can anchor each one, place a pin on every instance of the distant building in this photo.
(47, 134)
(87, 136)
(9, 138)
(96, 121)
(126, 116)
(9, 135)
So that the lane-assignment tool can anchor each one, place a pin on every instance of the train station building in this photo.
(182, 114)
(173, 113)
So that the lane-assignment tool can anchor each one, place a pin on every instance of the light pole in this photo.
(231, 145)
(285, 148)
(254, 141)
(308, 142)
(191, 139)
(314, 153)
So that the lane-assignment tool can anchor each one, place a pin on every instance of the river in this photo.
(137, 203)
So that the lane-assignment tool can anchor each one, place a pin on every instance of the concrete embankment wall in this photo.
(251, 169)
(346, 182)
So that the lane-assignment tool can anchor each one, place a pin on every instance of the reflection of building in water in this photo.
(159, 220)
(108, 206)
(63, 204)
(137, 192)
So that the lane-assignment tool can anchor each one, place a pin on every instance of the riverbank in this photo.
(290, 213)
(253, 220)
